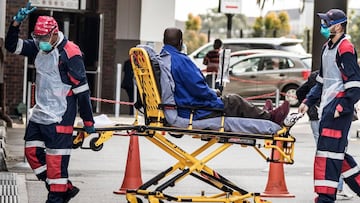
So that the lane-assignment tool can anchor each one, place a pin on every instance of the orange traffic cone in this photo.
(132, 177)
(276, 185)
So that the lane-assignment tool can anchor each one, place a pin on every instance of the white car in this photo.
(258, 76)
(237, 44)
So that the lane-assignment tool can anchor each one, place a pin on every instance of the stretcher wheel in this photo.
(77, 145)
(93, 146)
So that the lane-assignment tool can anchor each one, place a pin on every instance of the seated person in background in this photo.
(191, 88)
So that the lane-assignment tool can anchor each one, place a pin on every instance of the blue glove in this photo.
(89, 129)
(23, 12)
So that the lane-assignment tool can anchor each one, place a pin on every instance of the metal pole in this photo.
(213, 75)
(208, 35)
(118, 90)
(229, 24)
(135, 97)
(25, 79)
(277, 99)
(100, 59)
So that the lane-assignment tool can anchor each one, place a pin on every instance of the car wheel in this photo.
(290, 95)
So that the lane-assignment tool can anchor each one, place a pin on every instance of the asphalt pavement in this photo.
(99, 174)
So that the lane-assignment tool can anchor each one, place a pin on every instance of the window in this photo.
(247, 65)
(203, 52)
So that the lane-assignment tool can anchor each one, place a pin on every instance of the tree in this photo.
(213, 22)
(192, 36)
(354, 30)
(284, 23)
(258, 27)
(216, 23)
(193, 22)
(272, 25)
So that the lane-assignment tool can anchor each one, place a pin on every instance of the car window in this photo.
(247, 65)
(291, 63)
(203, 52)
(307, 62)
(268, 63)
(283, 63)
(275, 63)
(235, 58)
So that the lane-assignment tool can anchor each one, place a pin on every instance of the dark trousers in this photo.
(331, 160)
(237, 106)
(47, 149)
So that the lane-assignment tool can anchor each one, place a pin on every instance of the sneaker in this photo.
(341, 195)
(292, 118)
(71, 193)
(279, 114)
(268, 106)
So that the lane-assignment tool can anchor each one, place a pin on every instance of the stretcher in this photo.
(217, 134)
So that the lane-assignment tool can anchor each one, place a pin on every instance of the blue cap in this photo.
(333, 16)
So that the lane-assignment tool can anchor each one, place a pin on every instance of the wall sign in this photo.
(66, 4)
(230, 6)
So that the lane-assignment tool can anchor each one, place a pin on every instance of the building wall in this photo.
(2, 18)
(14, 64)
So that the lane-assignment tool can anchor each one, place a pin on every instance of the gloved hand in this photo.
(23, 12)
(89, 129)
(303, 108)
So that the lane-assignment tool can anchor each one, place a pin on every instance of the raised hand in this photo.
(24, 12)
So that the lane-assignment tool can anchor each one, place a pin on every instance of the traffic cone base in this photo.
(132, 178)
(276, 185)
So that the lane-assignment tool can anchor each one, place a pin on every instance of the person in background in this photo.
(191, 88)
(338, 86)
(312, 113)
(61, 87)
(128, 83)
(211, 60)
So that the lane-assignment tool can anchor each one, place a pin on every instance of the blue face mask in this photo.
(45, 46)
(325, 32)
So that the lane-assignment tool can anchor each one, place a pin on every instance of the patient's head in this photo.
(173, 37)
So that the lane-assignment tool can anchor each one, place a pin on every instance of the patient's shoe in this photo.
(279, 114)
(268, 106)
(292, 118)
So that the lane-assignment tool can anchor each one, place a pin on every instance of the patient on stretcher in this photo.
(183, 84)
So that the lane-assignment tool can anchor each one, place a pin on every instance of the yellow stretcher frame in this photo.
(281, 147)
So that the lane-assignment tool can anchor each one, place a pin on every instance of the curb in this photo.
(9, 192)
(3, 166)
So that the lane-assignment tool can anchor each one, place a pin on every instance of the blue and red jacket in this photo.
(346, 60)
(71, 69)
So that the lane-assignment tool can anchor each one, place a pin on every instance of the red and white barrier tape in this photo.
(112, 101)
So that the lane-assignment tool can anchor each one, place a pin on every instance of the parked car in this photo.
(262, 74)
(237, 55)
(237, 44)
